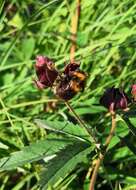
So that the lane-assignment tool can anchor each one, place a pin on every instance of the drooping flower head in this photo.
(133, 91)
(66, 85)
(114, 98)
(45, 71)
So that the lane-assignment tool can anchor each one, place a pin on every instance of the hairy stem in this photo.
(101, 155)
(79, 120)
(82, 123)
(74, 27)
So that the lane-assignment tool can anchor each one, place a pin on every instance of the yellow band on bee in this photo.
(80, 75)
(75, 86)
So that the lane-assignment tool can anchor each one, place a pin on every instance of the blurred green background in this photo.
(106, 49)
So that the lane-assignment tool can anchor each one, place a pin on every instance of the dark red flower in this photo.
(133, 91)
(45, 71)
(114, 98)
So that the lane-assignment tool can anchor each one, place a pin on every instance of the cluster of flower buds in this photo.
(115, 98)
(66, 85)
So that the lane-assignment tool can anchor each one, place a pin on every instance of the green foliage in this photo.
(64, 163)
(106, 49)
(130, 125)
(36, 151)
(65, 128)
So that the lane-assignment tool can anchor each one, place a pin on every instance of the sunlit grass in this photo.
(106, 47)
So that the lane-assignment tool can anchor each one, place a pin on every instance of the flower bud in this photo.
(133, 91)
(114, 98)
(45, 71)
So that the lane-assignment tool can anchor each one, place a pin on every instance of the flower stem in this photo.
(101, 155)
(82, 123)
(74, 27)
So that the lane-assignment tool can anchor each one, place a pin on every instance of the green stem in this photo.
(82, 123)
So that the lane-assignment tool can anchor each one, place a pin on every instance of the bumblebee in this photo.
(70, 84)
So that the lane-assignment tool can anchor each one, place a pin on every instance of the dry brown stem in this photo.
(74, 27)
(101, 155)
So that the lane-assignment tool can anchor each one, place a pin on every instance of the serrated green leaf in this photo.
(66, 128)
(65, 161)
(34, 152)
